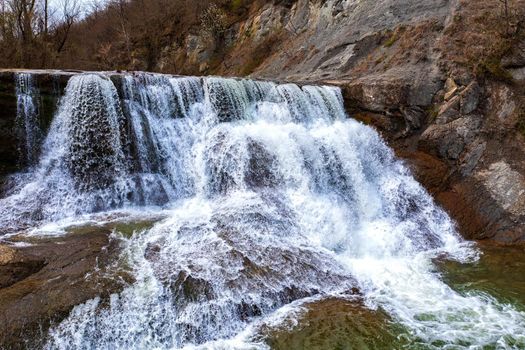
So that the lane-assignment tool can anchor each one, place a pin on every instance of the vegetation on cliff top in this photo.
(121, 34)
(156, 35)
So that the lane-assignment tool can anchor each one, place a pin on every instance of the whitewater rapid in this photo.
(270, 198)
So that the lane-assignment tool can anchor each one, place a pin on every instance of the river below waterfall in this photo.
(253, 215)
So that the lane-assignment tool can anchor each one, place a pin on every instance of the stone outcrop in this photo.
(316, 40)
(42, 281)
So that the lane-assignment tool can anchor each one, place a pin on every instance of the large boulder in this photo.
(42, 281)
(449, 140)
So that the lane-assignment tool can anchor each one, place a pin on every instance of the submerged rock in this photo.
(328, 323)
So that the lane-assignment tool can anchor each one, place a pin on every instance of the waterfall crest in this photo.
(272, 197)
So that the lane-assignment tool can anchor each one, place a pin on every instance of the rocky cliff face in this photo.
(455, 117)
(465, 147)
(313, 40)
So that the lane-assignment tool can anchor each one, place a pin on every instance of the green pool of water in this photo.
(500, 272)
(341, 324)
(123, 227)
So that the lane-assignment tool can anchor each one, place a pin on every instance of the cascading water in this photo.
(27, 122)
(271, 197)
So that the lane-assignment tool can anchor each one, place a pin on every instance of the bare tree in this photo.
(3, 18)
(95, 7)
(24, 12)
(46, 17)
(70, 12)
(121, 6)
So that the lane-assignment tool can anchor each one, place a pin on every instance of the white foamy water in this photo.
(270, 197)
(27, 124)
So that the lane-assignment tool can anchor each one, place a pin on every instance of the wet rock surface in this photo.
(333, 323)
(42, 279)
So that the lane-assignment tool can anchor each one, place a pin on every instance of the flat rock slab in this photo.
(42, 281)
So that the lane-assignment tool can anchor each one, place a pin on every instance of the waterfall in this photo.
(27, 118)
(271, 198)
